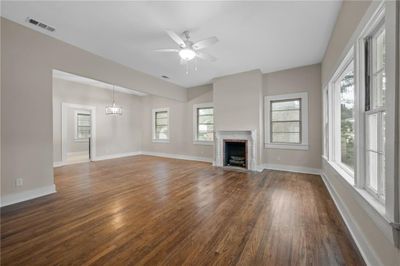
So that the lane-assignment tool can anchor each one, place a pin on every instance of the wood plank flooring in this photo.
(145, 210)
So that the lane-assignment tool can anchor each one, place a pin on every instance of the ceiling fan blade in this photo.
(176, 38)
(167, 50)
(205, 43)
(206, 56)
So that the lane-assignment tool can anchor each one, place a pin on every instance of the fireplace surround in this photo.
(241, 140)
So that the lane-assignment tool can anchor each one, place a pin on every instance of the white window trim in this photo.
(76, 112)
(304, 121)
(153, 125)
(195, 136)
(334, 147)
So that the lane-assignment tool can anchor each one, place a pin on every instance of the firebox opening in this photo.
(235, 153)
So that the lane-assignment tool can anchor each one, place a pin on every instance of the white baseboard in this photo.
(178, 156)
(27, 195)
(368, 255)
(116, 155)
(289, 168)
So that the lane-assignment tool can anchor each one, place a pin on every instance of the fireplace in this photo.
(235, 153)
(240, 143)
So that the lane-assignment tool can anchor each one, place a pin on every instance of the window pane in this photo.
(205, 124)
(206, 128)
(379, 88)
(286, 115)
(372, 170)
(380, 50)
(206, 119)
(286, 137)
(161, 114)
(285, 105)
(347, 119)
(206, 111)
(372, 123)
(286, 127)
(205, 136)
(162, 121)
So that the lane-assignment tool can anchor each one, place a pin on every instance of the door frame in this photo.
(64, 128)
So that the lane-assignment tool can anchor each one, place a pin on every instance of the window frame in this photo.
(335, 125)
(76, 135)
(303, 145)
(196, 107)
(154, 135)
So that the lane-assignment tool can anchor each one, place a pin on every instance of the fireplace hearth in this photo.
(235, 153)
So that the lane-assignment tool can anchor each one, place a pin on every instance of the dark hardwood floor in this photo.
(156, 211)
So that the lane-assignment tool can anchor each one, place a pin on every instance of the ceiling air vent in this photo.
(40, 24)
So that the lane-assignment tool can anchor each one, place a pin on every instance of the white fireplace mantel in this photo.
(249, 135)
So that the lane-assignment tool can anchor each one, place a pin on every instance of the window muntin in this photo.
(161, 125)
(286, 121)
(83, 121)
(205, 124)
(375, 113)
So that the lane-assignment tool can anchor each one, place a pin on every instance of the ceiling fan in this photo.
(188, 50)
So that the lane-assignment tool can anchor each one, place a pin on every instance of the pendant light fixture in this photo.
(113, 109)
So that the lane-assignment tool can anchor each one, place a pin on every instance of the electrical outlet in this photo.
(19, 182)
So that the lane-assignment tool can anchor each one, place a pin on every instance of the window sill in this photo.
(199, 142)
(286, 146)
(160, 140)
(344, 174)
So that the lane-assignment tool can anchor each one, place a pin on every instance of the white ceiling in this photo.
(270, 36)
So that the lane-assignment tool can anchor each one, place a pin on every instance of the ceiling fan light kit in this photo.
(189, 50)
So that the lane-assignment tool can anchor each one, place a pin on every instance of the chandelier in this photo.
(113, 109)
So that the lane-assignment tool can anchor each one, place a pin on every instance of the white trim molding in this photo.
(116, 155)
(304, 121)
(178, 156)
(27, 195)
(367, 253)
(289, 168)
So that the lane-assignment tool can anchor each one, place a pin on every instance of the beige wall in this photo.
(181, 124)
(296, 80)
(114, 134)
(27, 60)
(238, 103)
(372, 232)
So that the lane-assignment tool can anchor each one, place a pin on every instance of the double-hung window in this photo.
(161, 125)
(286, 121)
(375, 86)
(203, 123)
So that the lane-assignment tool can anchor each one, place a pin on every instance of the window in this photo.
(203, 123)
(161, 125)
(286, 121)
(344, 112)
(375, 86)
(325, 101)
(82, 125)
